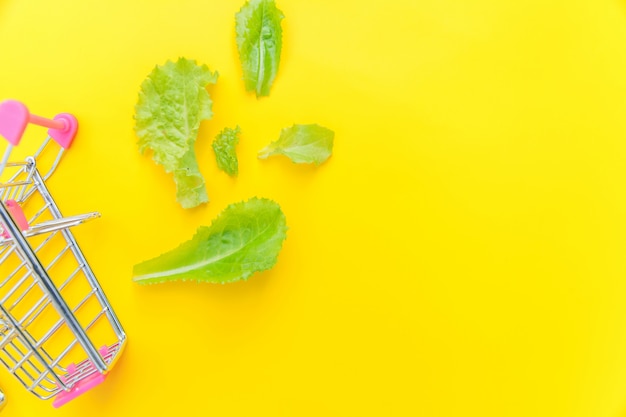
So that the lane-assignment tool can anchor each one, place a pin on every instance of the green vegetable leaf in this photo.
(245, 238)
(173, 100)
(303, 144)
(224, 148)
(259, 41)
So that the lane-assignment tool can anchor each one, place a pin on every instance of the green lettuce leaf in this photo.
(303, 144)
(173, 100)
(245, 238)
(259, 41)
(224, 148)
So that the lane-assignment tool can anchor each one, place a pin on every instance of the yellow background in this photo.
(461, 254)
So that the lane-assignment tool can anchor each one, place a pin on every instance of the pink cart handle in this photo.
(14, 117)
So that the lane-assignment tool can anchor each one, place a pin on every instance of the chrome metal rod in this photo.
(56, 299)
(93, 281)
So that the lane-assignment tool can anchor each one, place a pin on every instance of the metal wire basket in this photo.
(58, 332)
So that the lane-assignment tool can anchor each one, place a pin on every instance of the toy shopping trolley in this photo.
(58, 333)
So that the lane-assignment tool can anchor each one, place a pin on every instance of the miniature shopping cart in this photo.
(58, 333)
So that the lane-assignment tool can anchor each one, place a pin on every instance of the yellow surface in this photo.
(461, 254)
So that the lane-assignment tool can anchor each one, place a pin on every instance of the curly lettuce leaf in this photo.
(245, 238)
(303, 144)
(259, 41)
(173, 100)
(224, 147)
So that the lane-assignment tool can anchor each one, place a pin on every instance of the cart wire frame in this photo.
(58, 332)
